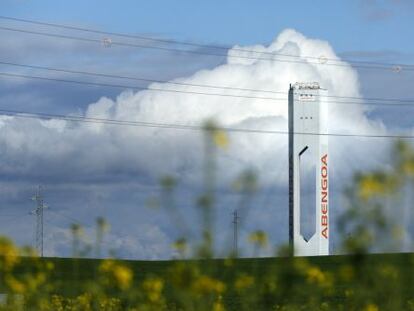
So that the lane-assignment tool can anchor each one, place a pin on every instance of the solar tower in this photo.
(308, 169)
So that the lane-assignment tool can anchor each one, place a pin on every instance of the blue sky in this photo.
(113, 174)
(368, 25)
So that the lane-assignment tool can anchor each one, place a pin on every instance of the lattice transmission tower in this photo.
(235, 233)
(38, 212)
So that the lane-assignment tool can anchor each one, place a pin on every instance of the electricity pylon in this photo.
(40, 206)
(235, 233)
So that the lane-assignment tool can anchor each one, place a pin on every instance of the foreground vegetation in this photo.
(370, 282)
(352, 282)
(357, 281)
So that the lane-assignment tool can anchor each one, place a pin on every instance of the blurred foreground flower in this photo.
(9, 254)
(218, 136)
(243, 282)
(220, 139)
(116, 274)
(374, 184)
(205, 285)
(181, 246)
(153, 289)
(258, 238)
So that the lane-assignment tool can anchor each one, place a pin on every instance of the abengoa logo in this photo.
(324, 196)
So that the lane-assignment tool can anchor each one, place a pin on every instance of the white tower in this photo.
(308, 155)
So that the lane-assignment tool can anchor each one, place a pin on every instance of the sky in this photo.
(347, 25)
(90, 170)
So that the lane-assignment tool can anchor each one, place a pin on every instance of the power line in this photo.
(7, 74)
(300, 60)
(105, 75)
(382, 99)
(399, 102)
(198, 45)
(60, 36)
(38, 115)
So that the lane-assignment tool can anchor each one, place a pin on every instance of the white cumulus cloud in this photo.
(62, 150)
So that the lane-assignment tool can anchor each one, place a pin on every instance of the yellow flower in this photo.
(375, 184)
(57, 303)
(84, 301)
(182, 275)
(205, 285)
(408, 167)
(153, 288)
(110, 304)
(106, 265)
(35, 281)
(15, 285)
(9, 254)
(123, 276)
(370, 186)
(243, 282)
(180, 245)
(50, 265)
(316, 276)
(220, 139)
(371, 307)
(218, 305)
(259, 238)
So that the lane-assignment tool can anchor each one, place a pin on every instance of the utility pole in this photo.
(40, 206)
(235, 233)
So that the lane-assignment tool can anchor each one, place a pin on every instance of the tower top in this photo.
(306, 86)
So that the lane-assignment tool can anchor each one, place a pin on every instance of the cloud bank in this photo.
(61, 152)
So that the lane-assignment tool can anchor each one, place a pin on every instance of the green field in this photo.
(71, 275)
